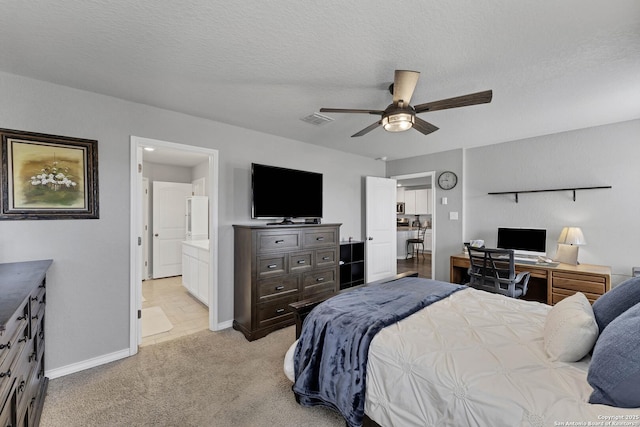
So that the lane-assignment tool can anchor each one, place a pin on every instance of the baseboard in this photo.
(86, 364)
(225, 325)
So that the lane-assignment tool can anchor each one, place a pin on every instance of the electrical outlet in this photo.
(453, 216)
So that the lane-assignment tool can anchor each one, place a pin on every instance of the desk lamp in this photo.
(568, 242)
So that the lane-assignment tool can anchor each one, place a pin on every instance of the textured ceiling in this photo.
(264, 65)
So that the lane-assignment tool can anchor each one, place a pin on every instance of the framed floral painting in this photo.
(48, 176)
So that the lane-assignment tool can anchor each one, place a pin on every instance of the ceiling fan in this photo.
(400, 115)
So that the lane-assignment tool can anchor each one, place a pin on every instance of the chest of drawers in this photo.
(22, 316)
(277, 265)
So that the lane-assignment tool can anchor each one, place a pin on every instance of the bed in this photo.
(474, 358)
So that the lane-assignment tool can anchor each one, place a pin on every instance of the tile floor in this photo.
(187, 314)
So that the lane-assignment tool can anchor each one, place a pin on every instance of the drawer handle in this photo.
(32, 356)
(280, 310)
(42, 285)
(272, 265)
(23, 317)
(23, 339)
(279, 288)
(7, 345)
(6, 374)
(325, 258)
(279, 241)
(21, 386)
(320, 279)
(320, 238)
(34, 317)
(34, 298)
(302, 261)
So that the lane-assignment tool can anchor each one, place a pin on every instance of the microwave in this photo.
(400, 207)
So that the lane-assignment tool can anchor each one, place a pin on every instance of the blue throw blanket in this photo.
(331, 356)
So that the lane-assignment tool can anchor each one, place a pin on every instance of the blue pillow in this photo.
(614, 372)
(615, 302)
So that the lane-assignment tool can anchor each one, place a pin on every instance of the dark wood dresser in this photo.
(22, 381)
(279, 264)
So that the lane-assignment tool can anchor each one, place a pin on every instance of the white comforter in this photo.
(477, 359)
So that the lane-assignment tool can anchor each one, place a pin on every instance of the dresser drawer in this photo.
(277, 311)
(326, 257)
(272, 265)
(316, 238)
(318, 281)
(277, 287)
(272, 241)
(559, 294)
(300, 262)
(578, 282)
(12, 345)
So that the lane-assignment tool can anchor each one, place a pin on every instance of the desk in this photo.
(549, 284)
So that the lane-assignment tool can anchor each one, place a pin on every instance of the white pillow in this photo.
(570, 329)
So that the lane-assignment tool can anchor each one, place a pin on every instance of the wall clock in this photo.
(447, 180)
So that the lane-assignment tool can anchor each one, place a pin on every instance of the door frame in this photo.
(136, 232)
(431, 174)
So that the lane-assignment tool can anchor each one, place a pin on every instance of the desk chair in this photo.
(415, 242)
(493, 270)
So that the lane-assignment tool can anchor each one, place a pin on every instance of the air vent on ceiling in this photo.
(316, 119)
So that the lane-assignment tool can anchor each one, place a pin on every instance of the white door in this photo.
(380, 194)
(146, 232)
(169, 200)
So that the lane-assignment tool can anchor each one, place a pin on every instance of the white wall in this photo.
(88, 283)
(599, 156)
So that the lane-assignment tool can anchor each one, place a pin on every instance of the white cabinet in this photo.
(418, 202)
(195, 269)
(197, 218)
(400, 194)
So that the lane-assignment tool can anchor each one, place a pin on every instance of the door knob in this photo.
(369, 238)
(156, 234)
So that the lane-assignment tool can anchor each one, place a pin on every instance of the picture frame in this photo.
(48, 176)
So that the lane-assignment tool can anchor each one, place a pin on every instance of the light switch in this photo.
(444, 200)
(453, 215)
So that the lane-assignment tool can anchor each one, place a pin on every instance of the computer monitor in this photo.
(523, 241)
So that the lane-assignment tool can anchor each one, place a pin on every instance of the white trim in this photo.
(434, 199)
(86, 364)
(136, 230)
(225, 325)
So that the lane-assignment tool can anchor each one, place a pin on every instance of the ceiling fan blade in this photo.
(458, 101)
(404, 83)
(367, 129)
(347, 110)
(423, 126)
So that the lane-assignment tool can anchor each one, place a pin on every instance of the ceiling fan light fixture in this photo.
(398, 122)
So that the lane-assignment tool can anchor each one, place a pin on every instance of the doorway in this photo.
(417, 219)
(178, 153)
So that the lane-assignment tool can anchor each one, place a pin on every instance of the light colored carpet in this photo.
(154, 321)
(212, 379)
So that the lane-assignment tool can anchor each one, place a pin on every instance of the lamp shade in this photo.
(572, 236)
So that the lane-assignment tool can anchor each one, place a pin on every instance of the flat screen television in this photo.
(285, 193)
(523, 241)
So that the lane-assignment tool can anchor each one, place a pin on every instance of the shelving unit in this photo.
(351, 264)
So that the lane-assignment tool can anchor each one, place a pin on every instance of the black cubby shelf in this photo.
(351, 264)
